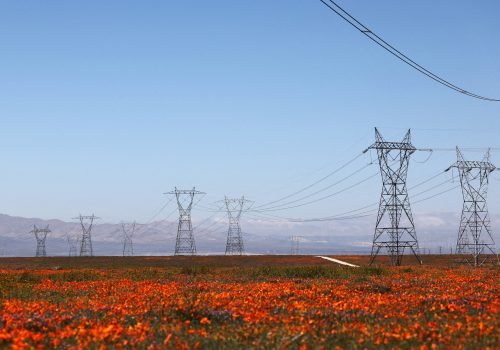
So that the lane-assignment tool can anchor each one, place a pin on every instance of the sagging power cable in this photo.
(332, 5)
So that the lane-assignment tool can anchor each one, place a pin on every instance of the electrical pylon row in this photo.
(185, 242)
(395, 227)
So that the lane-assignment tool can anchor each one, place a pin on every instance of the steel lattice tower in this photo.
(184, 244)
(474, 234)
(295, 249)
(40, 235)
(72, 244)
(128, 233)
(86, 222)
(395, 228)
(234, 208)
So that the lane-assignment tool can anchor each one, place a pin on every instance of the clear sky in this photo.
(105, 105)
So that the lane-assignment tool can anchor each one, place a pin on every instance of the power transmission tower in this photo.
(395, 228)
(234, 207)
(184, 244)
(72, 244)
(475, 240)
(295, 249)
(86, 222)
(128, 233)
(40, 235)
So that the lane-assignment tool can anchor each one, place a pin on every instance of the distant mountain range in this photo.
(260, 236)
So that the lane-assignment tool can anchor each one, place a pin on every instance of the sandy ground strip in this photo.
(337, 261)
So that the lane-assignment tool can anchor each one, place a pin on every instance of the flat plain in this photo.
(270, 302)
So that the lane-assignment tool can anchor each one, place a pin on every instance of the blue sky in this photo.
(106, 105)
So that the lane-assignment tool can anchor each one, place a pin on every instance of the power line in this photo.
(322, 198)
(436, 195)
(313, 184)
(214, 227)
(338, 218)
(284, 206)
(309, 174)
(395, 52)
(470, 149)
(318, 191)
(354, 185)
(158, 212)
(204, 220)
(335, 217)
(431, 188)
(343, 216)
(359, 213)
(425, 181)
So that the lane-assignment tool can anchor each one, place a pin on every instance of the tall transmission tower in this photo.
(475, 240)
(234, 207)
(40, 235)
(184, 244)
(86, 223)
(128, 233)
(295, 249)
(395, 228)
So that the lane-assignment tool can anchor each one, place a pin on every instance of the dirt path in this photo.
(337, 261)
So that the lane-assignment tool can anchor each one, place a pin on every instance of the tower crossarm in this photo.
(384, 145)
(193, 191)
(469, 165)
(86, 217)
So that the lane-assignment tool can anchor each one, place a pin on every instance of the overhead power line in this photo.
(395, 52)
(323, 189)
(471, 149)
(310, 185)
(437, 194)
(287, 205)
(321, 198)
(359, 212)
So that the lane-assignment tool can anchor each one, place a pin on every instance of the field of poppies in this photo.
(274, 305)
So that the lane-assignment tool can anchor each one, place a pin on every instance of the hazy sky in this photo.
(105, 105)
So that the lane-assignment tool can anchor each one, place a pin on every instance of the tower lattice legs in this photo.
(475, 241)
(394, 228)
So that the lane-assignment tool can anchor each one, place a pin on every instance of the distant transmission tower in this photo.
(40, 235)
(295, 249)
(234, 207)
(184, 244)
(86, 222)
(475, 240)
(394, 229)
(128, 233)
(72, 244)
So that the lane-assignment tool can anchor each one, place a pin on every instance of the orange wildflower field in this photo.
(257, 302)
